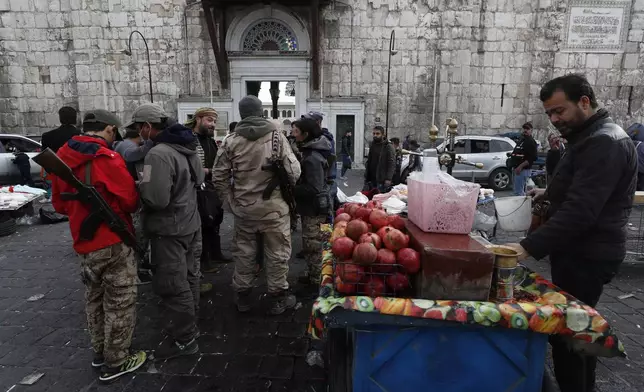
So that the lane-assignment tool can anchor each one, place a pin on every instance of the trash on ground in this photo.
(626, 296)
(314, 358)
(298, 305)
(35, 297)
(31, 379)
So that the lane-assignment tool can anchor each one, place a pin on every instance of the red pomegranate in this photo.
(378, 219)
(372, 238)
(374, 204)
(365, 253)
(395, 239)
(344, 217)
(374, 286)
(363, 213)
(396, 222)
(342, 248)
(397, 281)
(409, 259)
(385, 261)
(351, 209)
(339, 211)
(383, 231)
(350, 272)
(344, 288)
(356, 228)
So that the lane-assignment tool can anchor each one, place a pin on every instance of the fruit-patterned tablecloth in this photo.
(555, 312)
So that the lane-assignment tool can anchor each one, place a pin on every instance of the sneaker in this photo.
(98, 361)
(131, 363)
(343, 178)
(172, 349)
(243, 301)
(205, 287)
(282, 302)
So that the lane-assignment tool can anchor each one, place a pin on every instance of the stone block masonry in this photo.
(491, 56)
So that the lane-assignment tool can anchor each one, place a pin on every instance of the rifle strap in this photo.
(275, 154)
(88, 172)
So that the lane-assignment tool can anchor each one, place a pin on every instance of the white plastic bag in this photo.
(342, 198)
(359, 197)
(483, 221)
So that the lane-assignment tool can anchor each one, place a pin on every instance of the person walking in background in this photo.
(345, 154)
(396, 143)
(312, 193)
(522, 158)
(381, 162)
(636, 133)
(333, 172)
(108, 266)
(203, 125)
(56, 138)
(172, 172)
(257, 203)
(591, 198)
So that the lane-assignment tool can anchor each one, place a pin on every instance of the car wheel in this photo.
(7, 227)
(500, 179)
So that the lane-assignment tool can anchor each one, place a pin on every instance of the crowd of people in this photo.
(171, 183)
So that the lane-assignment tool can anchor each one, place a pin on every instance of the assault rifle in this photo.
(280, 179)
(100, 210)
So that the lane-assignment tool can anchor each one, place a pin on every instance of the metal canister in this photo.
(503, 276)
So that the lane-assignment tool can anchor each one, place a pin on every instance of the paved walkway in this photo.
(42, 328)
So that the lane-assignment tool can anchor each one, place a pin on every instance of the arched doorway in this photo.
(268, 44)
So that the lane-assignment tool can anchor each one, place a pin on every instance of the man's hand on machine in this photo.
(537, 193)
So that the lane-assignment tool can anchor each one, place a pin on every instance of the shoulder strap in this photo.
(193, 175)
(275, 146)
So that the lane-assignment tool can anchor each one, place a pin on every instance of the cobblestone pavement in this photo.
(238, 352)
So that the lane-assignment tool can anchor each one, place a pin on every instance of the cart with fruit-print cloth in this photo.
(402, 344)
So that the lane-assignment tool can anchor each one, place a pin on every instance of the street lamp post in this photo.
(392, 52)
(128, 52)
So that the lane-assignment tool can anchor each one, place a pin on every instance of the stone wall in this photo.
(492, 57)
(70, 52)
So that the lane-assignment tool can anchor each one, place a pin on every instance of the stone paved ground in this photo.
(238, 353)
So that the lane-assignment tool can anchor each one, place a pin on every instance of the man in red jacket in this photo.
(108, 266)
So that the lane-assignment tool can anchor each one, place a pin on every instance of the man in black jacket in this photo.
(522, 158)
(590, 196)
(56, 138)
(381, 162)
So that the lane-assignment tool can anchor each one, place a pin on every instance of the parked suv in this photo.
(492, 152)
(9, 174)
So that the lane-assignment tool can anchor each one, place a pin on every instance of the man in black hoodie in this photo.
(590, 196)
(56, 138)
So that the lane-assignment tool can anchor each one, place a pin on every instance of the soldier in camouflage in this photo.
(312, 191)
(256, 210)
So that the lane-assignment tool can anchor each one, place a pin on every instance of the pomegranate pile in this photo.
(371, 252)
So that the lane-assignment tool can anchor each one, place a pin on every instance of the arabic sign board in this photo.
(597, 26)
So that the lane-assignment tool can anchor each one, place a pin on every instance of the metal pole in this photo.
(391, 53)
(147, 51)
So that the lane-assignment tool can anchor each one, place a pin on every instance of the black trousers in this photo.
(211, 240)
(585, 280)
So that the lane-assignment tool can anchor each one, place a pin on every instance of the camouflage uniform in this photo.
(312, 240)
(242, 155)
(109, 275)
(141, 239)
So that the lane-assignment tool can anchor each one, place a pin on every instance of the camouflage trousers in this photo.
(109, 275)
(312, 245)
(276, 240)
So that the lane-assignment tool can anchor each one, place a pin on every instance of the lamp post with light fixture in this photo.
(392, 51)
(128, 52)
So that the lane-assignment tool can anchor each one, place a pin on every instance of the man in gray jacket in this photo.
(171, 174)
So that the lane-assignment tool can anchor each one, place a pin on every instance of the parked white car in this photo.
(491, 151)
(9, 174)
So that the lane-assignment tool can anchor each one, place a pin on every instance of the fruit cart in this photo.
(390, 341)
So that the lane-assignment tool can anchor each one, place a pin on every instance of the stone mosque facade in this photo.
(480, 61)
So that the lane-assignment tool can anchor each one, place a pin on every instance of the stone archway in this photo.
(269, 43)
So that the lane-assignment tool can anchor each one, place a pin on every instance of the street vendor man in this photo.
(590, 196)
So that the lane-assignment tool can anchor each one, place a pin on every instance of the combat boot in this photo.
(217, 256)
(281, 302)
